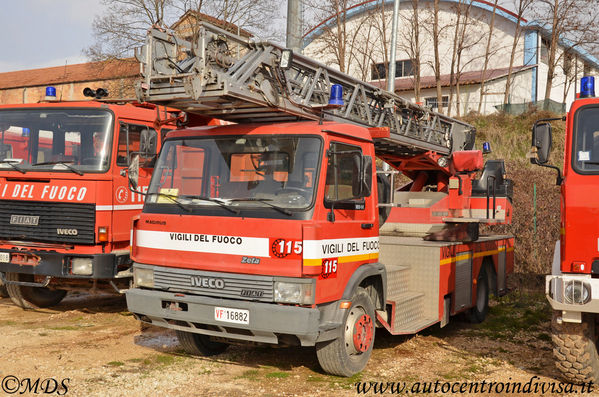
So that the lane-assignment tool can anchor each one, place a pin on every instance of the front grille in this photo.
(236, 286)
(53, 217)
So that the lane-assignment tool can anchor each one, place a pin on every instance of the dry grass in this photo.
(510, 138)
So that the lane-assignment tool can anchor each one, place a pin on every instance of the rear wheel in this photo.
(575, 349)
(200, 345)
(349, 352)
(479, 312)
(32, 297)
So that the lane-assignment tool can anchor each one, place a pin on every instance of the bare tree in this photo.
(487, 56)
(124, 24)
(521, 6)
(338, 37)
(572, 24)
(471, 35)
(411, 45)
(437, 61)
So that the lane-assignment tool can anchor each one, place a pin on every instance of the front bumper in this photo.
(56, 264)
(556, 290)
(268, 322)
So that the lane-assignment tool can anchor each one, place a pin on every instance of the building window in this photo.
(587, 69)
(402, 69)
(545, 51)
(431, 102)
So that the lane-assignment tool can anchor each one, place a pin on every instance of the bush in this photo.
(510, 138)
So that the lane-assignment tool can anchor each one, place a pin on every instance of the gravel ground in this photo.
(97, 345)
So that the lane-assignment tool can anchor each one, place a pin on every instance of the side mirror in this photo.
(147, 143)
(133, 172)
(541, 140)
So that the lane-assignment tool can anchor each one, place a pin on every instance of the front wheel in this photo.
(200, 345)
(575, 349)
(349, 352)
(32, 297)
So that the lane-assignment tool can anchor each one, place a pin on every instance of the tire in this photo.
(200, 345)
(349, 352)
(575, 349)
(32, 297)
(480, 310)
(3, 291)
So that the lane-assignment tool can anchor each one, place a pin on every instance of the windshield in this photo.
(585, 157)
(238, 172)
(70, 140)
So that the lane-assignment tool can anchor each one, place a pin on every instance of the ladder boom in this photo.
(230, 77)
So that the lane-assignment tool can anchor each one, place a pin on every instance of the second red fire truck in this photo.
(65, 204)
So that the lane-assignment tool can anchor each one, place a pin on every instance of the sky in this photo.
(43, 33)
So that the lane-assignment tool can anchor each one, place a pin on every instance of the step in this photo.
(398, 281)
(407, 307)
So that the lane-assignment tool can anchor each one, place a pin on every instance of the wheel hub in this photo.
(363, 333)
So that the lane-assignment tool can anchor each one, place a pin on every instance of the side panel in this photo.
(463, 281)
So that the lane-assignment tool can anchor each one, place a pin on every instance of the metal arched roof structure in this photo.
(362, 8)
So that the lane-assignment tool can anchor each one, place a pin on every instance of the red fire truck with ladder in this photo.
(65, 205)
(279, 230)
(573, 286)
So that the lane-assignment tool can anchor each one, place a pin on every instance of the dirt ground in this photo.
(95, 343)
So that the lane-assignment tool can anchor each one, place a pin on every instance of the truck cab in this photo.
(65, 205)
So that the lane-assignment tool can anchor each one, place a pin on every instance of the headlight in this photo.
(143, 277)
(286, 292)
(82, 266)
(576, 292)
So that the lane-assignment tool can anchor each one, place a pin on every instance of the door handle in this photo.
(367, 225)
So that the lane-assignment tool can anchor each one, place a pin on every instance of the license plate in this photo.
(237, 316)
(4, 257)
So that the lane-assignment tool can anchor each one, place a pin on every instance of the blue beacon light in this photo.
(50, 93)
(336, 95)
(587, 87)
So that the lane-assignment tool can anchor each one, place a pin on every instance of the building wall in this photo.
(369, 29)
(117, 88)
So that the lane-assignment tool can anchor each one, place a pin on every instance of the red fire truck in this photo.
(65, 205)
(283, 232)
(573, 286)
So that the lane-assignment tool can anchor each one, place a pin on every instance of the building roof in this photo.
(82, 72)
(466, 78)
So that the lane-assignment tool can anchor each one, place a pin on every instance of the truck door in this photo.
(125, 202)
(349, 236)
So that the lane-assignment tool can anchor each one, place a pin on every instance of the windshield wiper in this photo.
(264, 201)
(173, 199)
(13, 165)
(65, 163)
(220, 202)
